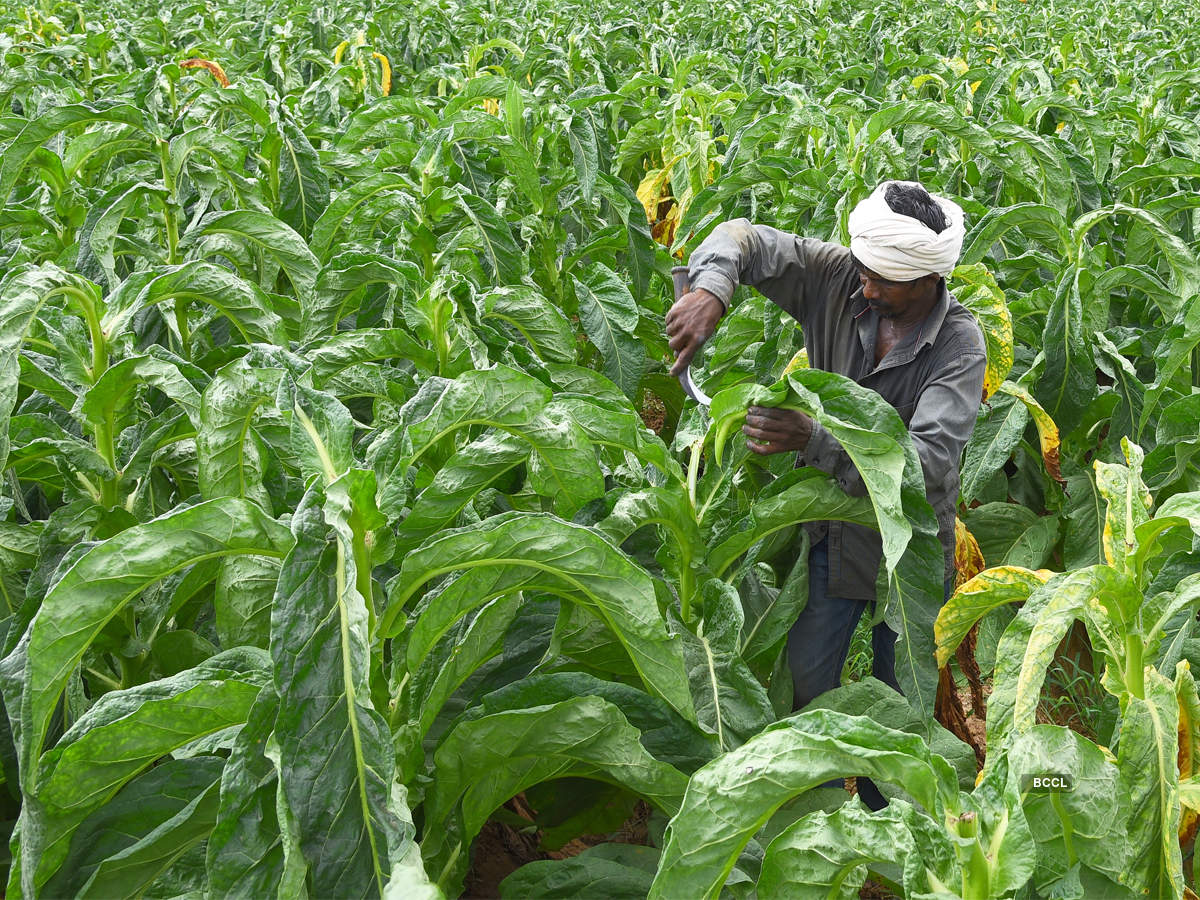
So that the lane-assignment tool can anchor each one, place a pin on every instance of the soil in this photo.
(874, 891)
(654, 412)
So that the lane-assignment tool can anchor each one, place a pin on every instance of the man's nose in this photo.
(869, 288)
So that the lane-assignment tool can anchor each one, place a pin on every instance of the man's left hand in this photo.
(769, 430)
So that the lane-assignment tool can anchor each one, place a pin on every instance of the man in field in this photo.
(879, 313)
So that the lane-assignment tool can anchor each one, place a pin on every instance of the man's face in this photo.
(891, 299)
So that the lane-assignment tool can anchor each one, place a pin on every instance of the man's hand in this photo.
(691, 322)
(770, 430)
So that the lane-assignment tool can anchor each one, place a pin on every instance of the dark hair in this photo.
(914, 201)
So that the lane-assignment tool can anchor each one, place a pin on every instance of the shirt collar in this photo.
(927, 331)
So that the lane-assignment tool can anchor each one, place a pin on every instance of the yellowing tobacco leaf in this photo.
(662, 210)
(1129, 504)
(977, 290)
(654, 190)
(990, 589)
(1188, 756)
(799, 361)
(385, 79)
(968, 558)
(216, 71)
(1047, 430)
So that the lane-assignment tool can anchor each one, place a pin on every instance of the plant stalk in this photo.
(1135, 670)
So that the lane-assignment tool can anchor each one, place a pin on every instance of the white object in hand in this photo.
(689, 388)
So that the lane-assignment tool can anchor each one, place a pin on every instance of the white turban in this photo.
(901, 248)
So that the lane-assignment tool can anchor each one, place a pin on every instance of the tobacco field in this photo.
(353, 532)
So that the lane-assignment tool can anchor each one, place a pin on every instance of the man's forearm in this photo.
(782, 266)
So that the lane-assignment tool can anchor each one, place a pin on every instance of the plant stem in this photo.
(687, 587)
(362, 566)
(975, 870)
(694, 471)
(1135, 672)
(1068, 832)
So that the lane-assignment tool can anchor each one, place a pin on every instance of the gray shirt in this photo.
(933, 377)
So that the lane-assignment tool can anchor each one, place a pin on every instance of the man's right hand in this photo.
(691, 322)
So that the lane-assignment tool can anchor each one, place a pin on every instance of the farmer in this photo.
(878, 313)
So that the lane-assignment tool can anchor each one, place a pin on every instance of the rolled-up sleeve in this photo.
(781, 266)
(941, 424)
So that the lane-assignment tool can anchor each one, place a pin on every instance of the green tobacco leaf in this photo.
(303, 183)
(728, 800)
(478, 465)
(730, 701)
(97, 587)
(610, 871)
(1041, 223)
(500, 397)
(1150, 781)
(827, 854)
(125, 732)
(771, 612)
(998, 431)
(384, 111)
(341, 284)
(55, 120)
(272, 237)
(504, 256)
(222, 150)
(102, 400)
(665, 507)
(98, 236)
(880, 703)
(1177, 443)
(178, 796)
(243, 303)
(1009, 530)
(1185, 270)
(242, 600)
(609, 317)
(1033, 546)
(1173, 353)
(230, 463)
(563, 462)
(328, 731)
(1086, 824)
(470, 642)
(322, 431)
(505, 553)
(347, 348)
(534, 318)
(611, 422)
(803, 496)
(664, 733)
(252, 851)
(345, 205)
(1126, 385)
(484, 761)
(1068, 381)
(21, 297)
(585, 154)
(135, 868)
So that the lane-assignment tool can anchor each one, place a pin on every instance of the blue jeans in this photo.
(820, 639)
